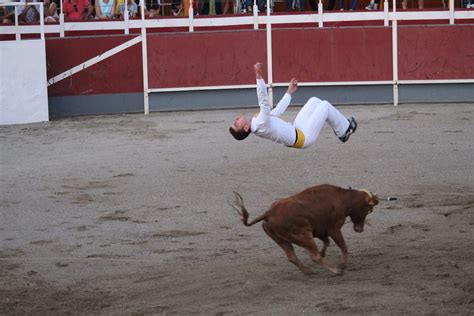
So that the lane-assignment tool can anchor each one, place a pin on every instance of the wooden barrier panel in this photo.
(436, 52)
(328, 55)
(223, 58)
(120, 73)
(204, 58)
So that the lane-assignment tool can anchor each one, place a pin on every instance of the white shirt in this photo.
(267, 123)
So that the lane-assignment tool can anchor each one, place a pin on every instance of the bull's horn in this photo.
(367, 192)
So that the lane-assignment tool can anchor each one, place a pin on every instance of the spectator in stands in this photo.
(104, 9)
(295, 5)
(373, 5)
(152, 8)
(211, 7)
(29, 13)
(7, 14)
(177, 8)
(186, 4)
(132, 8)
(342, 6)
(76, 10)
(228, 7)
(331, 5)
(50, 11)
(261, 5)
(404, 4)
(248, 6)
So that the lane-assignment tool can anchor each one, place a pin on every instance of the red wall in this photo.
(223, 58)
(226, 57)
(120, 73)
(436, 52)
(339, 54)
(204, 59)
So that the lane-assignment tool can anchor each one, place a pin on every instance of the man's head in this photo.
(240, 129)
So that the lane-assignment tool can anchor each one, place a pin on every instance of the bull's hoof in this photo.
(339, 272)
(342, 266)
(308, 272)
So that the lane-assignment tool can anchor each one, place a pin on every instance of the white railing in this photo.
(316, 18)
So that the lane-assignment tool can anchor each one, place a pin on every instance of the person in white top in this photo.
(306, 127)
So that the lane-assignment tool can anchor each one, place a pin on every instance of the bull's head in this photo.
(362, 206)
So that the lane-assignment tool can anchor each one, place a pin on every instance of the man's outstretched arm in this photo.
(262, 93)
(258, 67)
(285, 101)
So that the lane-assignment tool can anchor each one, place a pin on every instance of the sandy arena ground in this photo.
(128, 215)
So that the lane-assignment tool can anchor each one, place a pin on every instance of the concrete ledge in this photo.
(245, 98)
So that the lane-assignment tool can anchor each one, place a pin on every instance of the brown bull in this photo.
(319, 212)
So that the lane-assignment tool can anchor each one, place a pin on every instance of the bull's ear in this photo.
(372, 201)
(369, 201)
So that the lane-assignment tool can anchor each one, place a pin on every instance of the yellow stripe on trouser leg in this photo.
(300, 140)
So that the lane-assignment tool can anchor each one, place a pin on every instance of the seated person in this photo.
(177, 8)
(373, 5)
(228, 7)
(132, 8)
(50, 11)
(76, 10)
(29, 13)
(7, 14)
(104, 9)
(152, 8)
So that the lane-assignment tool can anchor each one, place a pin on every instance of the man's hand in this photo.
(293, 86)
(258, 67)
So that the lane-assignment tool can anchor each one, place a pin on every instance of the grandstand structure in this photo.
(205, 62)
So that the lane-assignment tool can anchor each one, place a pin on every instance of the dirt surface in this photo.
(128, 215)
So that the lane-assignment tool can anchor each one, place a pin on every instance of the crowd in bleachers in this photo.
(75, 10)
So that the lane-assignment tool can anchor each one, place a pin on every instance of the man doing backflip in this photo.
(308, 123)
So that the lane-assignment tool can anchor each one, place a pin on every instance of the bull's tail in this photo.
(239, 206)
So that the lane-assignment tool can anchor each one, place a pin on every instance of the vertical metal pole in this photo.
(269, 57)
(126, 17)
(255, 15)
(191, 16)
(385, 10)
(17, 29)
(320, 13)
(451, 12)
(61, 19)
(395, 54)
(146, 104)
(41, 19)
